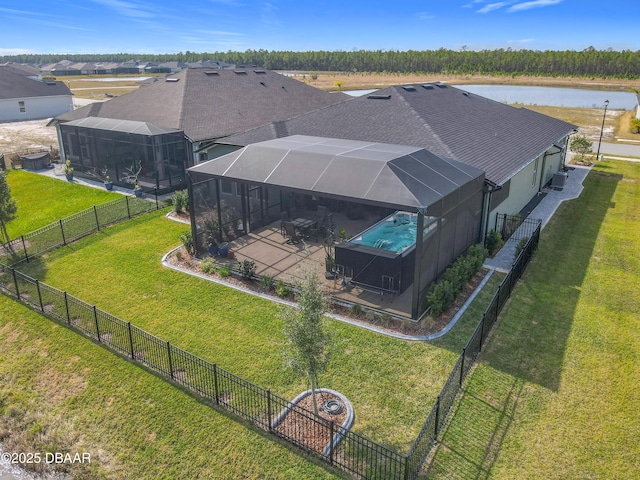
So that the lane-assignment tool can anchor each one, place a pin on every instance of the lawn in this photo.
(42, 200)
(556, 392)
(391, 383)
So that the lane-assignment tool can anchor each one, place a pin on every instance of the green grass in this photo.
(556, 393)
(391, 383)
(42, 200)
(67, 394)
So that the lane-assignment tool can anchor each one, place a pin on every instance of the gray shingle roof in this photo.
(381, 174)
(126, 126)
(17, 85)
(208, 104)
(447, 121)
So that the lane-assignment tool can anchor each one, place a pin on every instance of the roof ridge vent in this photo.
(379, 97)
(441, 85)
(240, 72)
(172, 80)
(259, 72)
(409, 88)
(428, 86)
(211, 73)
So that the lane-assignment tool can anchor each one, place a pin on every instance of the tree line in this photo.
(588, 62)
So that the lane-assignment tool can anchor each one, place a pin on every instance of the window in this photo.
(22, 107)
(226, 187)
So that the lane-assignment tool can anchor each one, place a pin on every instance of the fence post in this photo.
(155, 190)
(482, 332)
(66, 307)
(215, 383)
(95, 318)
(331, 443)
(464, 350)
(133, 356)
(126, 199)
(170, 363)
(95, 212)
(39, 295)
(269, 408)
(24, 248)
(15, 282)
(435, 433)
(64, 240)
(406, 467)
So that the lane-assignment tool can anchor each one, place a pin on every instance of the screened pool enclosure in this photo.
(372, 187)
(105, 146)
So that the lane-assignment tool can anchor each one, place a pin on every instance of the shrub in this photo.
(521, 244)
(247, 269)
(356, 309)
(267, 282)
(187, 240)
(224, 271)
(180, 201)
(283, 290)
(208, 266)
(493, 242)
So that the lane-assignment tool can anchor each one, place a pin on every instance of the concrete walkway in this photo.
(543, 211)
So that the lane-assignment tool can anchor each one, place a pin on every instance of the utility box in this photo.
(559, 180)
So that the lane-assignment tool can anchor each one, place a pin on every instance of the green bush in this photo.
(493, 241)
(208, 266)
(356, 309)
(247, 269)
(187, 240)
(224, 271)
(180, 201)
(521, 244)
(283, 290)
(454, 279)
(267, 282)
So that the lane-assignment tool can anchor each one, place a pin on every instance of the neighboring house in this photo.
(199, 105)
(518, 149)
(638, 105)
(25, 97)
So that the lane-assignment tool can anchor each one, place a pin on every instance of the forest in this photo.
(589, 62)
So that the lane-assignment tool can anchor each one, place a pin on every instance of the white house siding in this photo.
(35, 107)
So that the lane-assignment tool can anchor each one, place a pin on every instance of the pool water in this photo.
(394, 233)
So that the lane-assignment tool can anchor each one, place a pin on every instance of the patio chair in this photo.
(291, 232)
(284, 217)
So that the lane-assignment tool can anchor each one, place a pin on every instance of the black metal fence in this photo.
(78, 225)
(515, 226)
(355, 454)
(436, 420)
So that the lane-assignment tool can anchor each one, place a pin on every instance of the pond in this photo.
(545, 96)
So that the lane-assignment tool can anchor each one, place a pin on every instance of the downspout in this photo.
(415, 299)
(489, 188)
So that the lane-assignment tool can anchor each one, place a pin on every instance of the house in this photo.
(638, 106)
(24, 96)
(518, 149)
(196, 105)
(401, 190)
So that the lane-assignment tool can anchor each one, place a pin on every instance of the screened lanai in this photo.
(369, 186)
(112, 147)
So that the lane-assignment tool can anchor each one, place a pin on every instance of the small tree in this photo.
(8, 207)
(635, 125)
(308, 343)
(581, 146)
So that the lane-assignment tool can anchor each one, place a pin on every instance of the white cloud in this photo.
(533, 4)
(128, 9)
(522, 40)
(425, 16)
(493, 6)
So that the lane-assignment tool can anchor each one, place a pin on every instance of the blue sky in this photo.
(170, 26)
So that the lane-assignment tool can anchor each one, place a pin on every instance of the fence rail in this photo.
(356, 454)
(74, 227)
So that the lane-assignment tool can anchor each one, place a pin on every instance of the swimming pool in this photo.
(395, 233)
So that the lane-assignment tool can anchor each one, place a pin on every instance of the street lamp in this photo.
(606, 104)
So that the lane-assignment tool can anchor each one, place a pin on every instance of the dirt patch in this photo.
(27, 135)
(303, 426)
